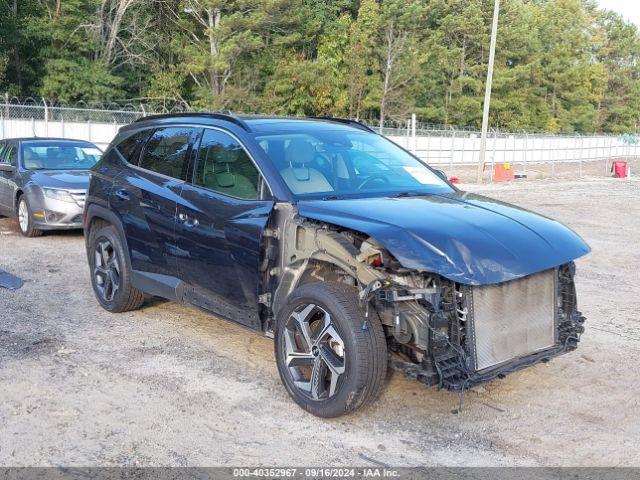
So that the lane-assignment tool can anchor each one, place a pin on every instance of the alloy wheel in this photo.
(314, 352)
(23, 215)
(106, 271)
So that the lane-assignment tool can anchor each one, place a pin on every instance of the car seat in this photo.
(60, 157)
(298, 175)
(31, 160)
(219, 173)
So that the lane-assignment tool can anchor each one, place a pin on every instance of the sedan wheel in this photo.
(23, 216)
(24, 219)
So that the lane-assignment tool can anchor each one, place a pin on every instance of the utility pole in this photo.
(487, 91)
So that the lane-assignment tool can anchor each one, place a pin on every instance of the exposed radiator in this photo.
(514, 319)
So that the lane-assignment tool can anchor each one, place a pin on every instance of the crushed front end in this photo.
(456, 336)
(439, 331)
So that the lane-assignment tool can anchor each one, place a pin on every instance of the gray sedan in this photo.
(43, 182)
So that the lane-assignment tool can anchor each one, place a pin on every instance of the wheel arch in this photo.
(318, 254)
(16, 198)
(306, 271)
(94, 214)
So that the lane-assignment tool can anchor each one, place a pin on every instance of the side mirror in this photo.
(7, 167)
(441, 174)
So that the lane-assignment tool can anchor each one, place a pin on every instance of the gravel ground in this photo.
(538, 171)
(169, 385)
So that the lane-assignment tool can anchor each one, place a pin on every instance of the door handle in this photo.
(122, 194)
(188, 221)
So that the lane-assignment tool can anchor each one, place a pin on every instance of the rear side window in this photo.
(130, 147)
(225, 167)
(167, 151)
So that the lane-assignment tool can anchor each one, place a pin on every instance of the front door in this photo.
(221, 217)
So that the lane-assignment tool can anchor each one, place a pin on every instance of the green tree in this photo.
(217, 36)
(300, 87)
(561, 65)
(362, 58)
(20, 66)
(400, 57)
(454, 67)
(518, 99)
(80, 79)
(619, 53)
(571, 80)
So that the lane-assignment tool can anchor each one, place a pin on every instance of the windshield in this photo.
(345, 163)
(59, 155)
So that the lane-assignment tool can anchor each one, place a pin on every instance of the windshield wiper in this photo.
(407, 194)
(331, 197)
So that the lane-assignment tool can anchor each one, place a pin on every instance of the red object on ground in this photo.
(619, 168)
(454, 179)
(502, 172)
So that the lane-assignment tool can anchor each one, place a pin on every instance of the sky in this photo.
(630, 9)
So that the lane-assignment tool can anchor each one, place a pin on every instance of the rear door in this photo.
(221, 217)
(145, 196)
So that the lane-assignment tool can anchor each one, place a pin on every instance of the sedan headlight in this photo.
(57, 194)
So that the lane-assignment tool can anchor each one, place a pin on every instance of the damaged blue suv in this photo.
(349, 251)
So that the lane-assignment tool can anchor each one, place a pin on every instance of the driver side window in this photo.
(224, 167)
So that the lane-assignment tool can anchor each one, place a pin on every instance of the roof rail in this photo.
(347, 121)
(214, 115)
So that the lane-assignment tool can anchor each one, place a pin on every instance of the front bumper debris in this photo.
(449, 368)
(449, 360)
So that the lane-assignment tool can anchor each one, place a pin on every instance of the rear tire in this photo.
(25, 219)
(110, 272)
(321, 332)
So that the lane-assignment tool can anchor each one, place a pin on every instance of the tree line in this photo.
(561, 65)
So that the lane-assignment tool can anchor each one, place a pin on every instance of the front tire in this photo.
(25, 219)
(331, 358)
(110, 273)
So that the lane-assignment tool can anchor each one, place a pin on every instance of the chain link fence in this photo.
(455, 150)
(29, 118)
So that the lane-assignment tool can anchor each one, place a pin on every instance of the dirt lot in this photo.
(169, 385)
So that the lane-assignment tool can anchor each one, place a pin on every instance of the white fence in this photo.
(99, 133)
(441, 146)
(449, 148)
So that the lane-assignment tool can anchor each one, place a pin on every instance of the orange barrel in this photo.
(502, 172)
(619, 168)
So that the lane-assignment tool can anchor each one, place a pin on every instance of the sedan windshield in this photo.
(345, 163)
(59, 155)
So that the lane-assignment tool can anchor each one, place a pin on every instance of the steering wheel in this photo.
(377, 176)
